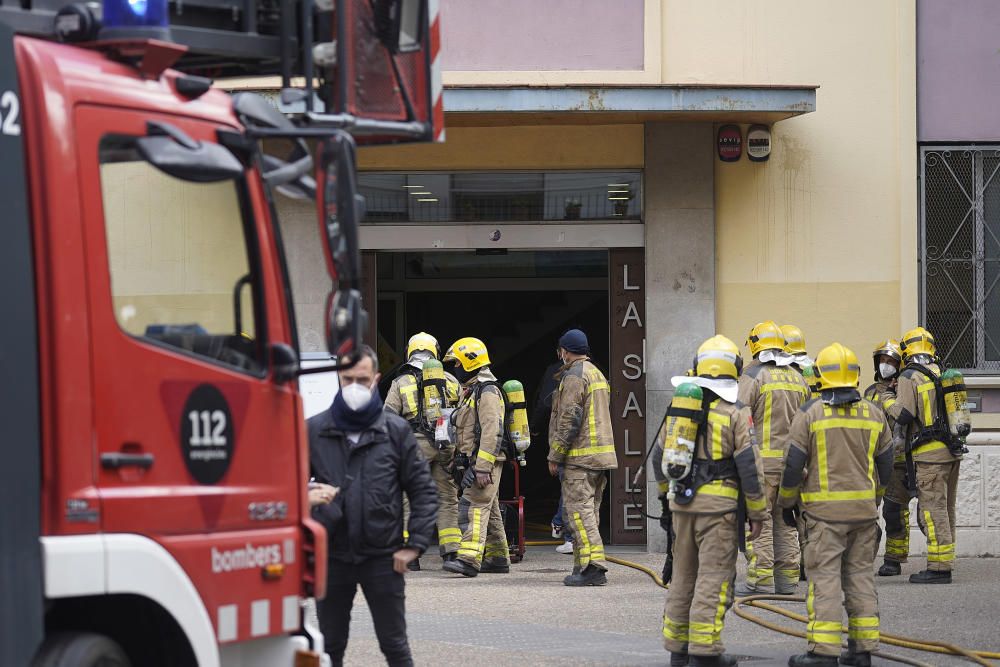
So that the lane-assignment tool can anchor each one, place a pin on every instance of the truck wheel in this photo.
(80, 649)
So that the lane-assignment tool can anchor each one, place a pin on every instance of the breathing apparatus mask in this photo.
(887, 371)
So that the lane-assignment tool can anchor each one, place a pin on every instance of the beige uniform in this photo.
(936, 467)
(581, 439)
(479, 516)
(402, 400)
(896, 504)
(774, 395)
(705, 546)
(846, 452)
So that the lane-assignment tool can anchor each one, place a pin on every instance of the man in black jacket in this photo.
(373, 458)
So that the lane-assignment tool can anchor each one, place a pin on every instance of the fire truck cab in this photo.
(154, 484)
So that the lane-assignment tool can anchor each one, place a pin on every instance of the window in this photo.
(501, 196)
(960, 251)
(180, 271)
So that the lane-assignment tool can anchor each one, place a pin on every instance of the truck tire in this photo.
(80, 649)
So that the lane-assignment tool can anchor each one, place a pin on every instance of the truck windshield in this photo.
(180, 259)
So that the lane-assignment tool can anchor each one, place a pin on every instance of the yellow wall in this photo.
(824, 234)
(524, 147)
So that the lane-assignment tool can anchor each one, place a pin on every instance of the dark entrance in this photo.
(518, 303)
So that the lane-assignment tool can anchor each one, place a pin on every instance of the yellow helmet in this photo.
(795, 340)
(837, 367)
(469, 352)
(718, 357)
(917, 341)
(423, 341)
(888, 347)
(765, 336)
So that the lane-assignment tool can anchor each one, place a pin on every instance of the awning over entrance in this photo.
(539, 105)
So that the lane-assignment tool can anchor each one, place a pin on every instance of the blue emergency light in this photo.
(139, 19)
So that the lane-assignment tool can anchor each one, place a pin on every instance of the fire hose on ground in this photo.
(761, 602)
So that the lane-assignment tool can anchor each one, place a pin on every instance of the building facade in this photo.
(581, 184)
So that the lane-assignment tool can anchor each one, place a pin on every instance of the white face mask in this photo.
(356, 395)
(886, 371)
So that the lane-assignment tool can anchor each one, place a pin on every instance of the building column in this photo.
(679, 215)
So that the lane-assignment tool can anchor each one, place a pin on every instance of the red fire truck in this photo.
(153, 489)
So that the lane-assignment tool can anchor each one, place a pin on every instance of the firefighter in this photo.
(581, 442)
(886, 358)
(795, 346)
(774, 392)
(479, 459)
(406, 398)
(723, 464)
(930, 463)
(841, 441)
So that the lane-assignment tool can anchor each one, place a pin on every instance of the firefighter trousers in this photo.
(775, 553)
(449, 536)
(701, 591)
(839, 564)
(937, 486)
(896, 512)
(582, 491)
(481, 524)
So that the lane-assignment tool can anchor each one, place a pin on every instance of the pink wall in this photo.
(512, 35)
(958, 70)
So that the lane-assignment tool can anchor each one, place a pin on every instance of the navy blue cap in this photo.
(575, 341)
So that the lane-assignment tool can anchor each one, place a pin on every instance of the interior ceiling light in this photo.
(619, 185)
(621, 191)
(417, 187)
(421, 193)
(620, 198)
(430, 199)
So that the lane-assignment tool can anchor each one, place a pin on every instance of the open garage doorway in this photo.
(518, 302)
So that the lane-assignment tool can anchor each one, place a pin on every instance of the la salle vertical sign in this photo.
(628, 392)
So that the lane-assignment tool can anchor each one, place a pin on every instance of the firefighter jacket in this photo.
(883, 394)
(727, 434)
(479, 421)
(846, 452)
(404, 397)
(916, 408)
(773, 395)
(580, 432)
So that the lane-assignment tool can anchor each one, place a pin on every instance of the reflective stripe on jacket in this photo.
(846, 452)
(916, 396)
(580, 431)
(773, 395)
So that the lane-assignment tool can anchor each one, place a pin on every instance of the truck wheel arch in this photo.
(94, 571)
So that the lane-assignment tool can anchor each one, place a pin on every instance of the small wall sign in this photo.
(730, 143)
(759, 143)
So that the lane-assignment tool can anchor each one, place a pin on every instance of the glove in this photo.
(665, 522)
(483, 479)
(469, 478)
(790, 515)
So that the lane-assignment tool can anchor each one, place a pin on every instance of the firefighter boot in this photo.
(460, 567)
(930, 577)
(852, 657)
(590, 576)
(746, 589)
(413, 565)
(678, 659)
(811, 659)
(713, 661)
(495, 566)
(890, 568)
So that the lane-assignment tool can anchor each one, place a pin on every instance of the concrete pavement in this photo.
(529, 618)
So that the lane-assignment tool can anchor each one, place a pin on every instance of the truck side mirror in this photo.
(339, 211)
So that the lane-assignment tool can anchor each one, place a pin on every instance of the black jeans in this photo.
(384, 592)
